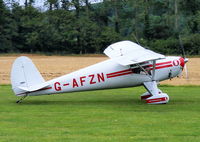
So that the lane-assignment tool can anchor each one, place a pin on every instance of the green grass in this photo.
(101, 116)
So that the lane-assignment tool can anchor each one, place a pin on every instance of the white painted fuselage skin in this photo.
(108, 75)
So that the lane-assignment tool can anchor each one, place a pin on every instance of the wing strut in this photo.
(154, 68)
(143, 70)
(153, 71)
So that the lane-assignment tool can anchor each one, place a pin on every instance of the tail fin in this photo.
(25, 76)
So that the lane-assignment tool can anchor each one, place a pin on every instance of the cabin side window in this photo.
(143, 68)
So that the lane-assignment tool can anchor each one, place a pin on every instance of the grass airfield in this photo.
(101, 116)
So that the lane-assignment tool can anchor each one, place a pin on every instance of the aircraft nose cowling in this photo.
(182, 62)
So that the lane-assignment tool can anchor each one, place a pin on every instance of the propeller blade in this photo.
(185, 59)
(186, 72)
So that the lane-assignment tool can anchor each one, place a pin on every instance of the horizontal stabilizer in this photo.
(128, 53)
(35, 87)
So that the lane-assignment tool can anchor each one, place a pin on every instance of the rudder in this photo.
(24, 74)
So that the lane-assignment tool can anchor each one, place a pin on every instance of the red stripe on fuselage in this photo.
(128, 71)
(114, 73)
(168, 62)
(121, 74)
(166, 66)
(161, 67)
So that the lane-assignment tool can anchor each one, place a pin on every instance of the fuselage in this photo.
(109, 75)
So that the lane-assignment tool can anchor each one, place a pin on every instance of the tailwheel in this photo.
(21, 99)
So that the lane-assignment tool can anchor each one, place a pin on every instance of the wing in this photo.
(127, 53)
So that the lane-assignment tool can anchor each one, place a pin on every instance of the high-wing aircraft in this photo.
(129, 65)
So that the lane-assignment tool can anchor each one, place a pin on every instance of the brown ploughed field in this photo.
(55, 66)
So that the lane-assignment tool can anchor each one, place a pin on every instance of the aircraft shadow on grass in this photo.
(110, 102)
(123, 102)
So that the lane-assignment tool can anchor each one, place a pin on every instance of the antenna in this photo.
(181, 46)
(136, 39)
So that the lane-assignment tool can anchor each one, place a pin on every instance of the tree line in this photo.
(82, 27)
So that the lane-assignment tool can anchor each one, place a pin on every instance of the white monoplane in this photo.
(129, 65)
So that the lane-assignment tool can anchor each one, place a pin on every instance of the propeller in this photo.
(183, 55)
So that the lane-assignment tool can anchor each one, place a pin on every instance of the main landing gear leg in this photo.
(154, 95)
(21, 99)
